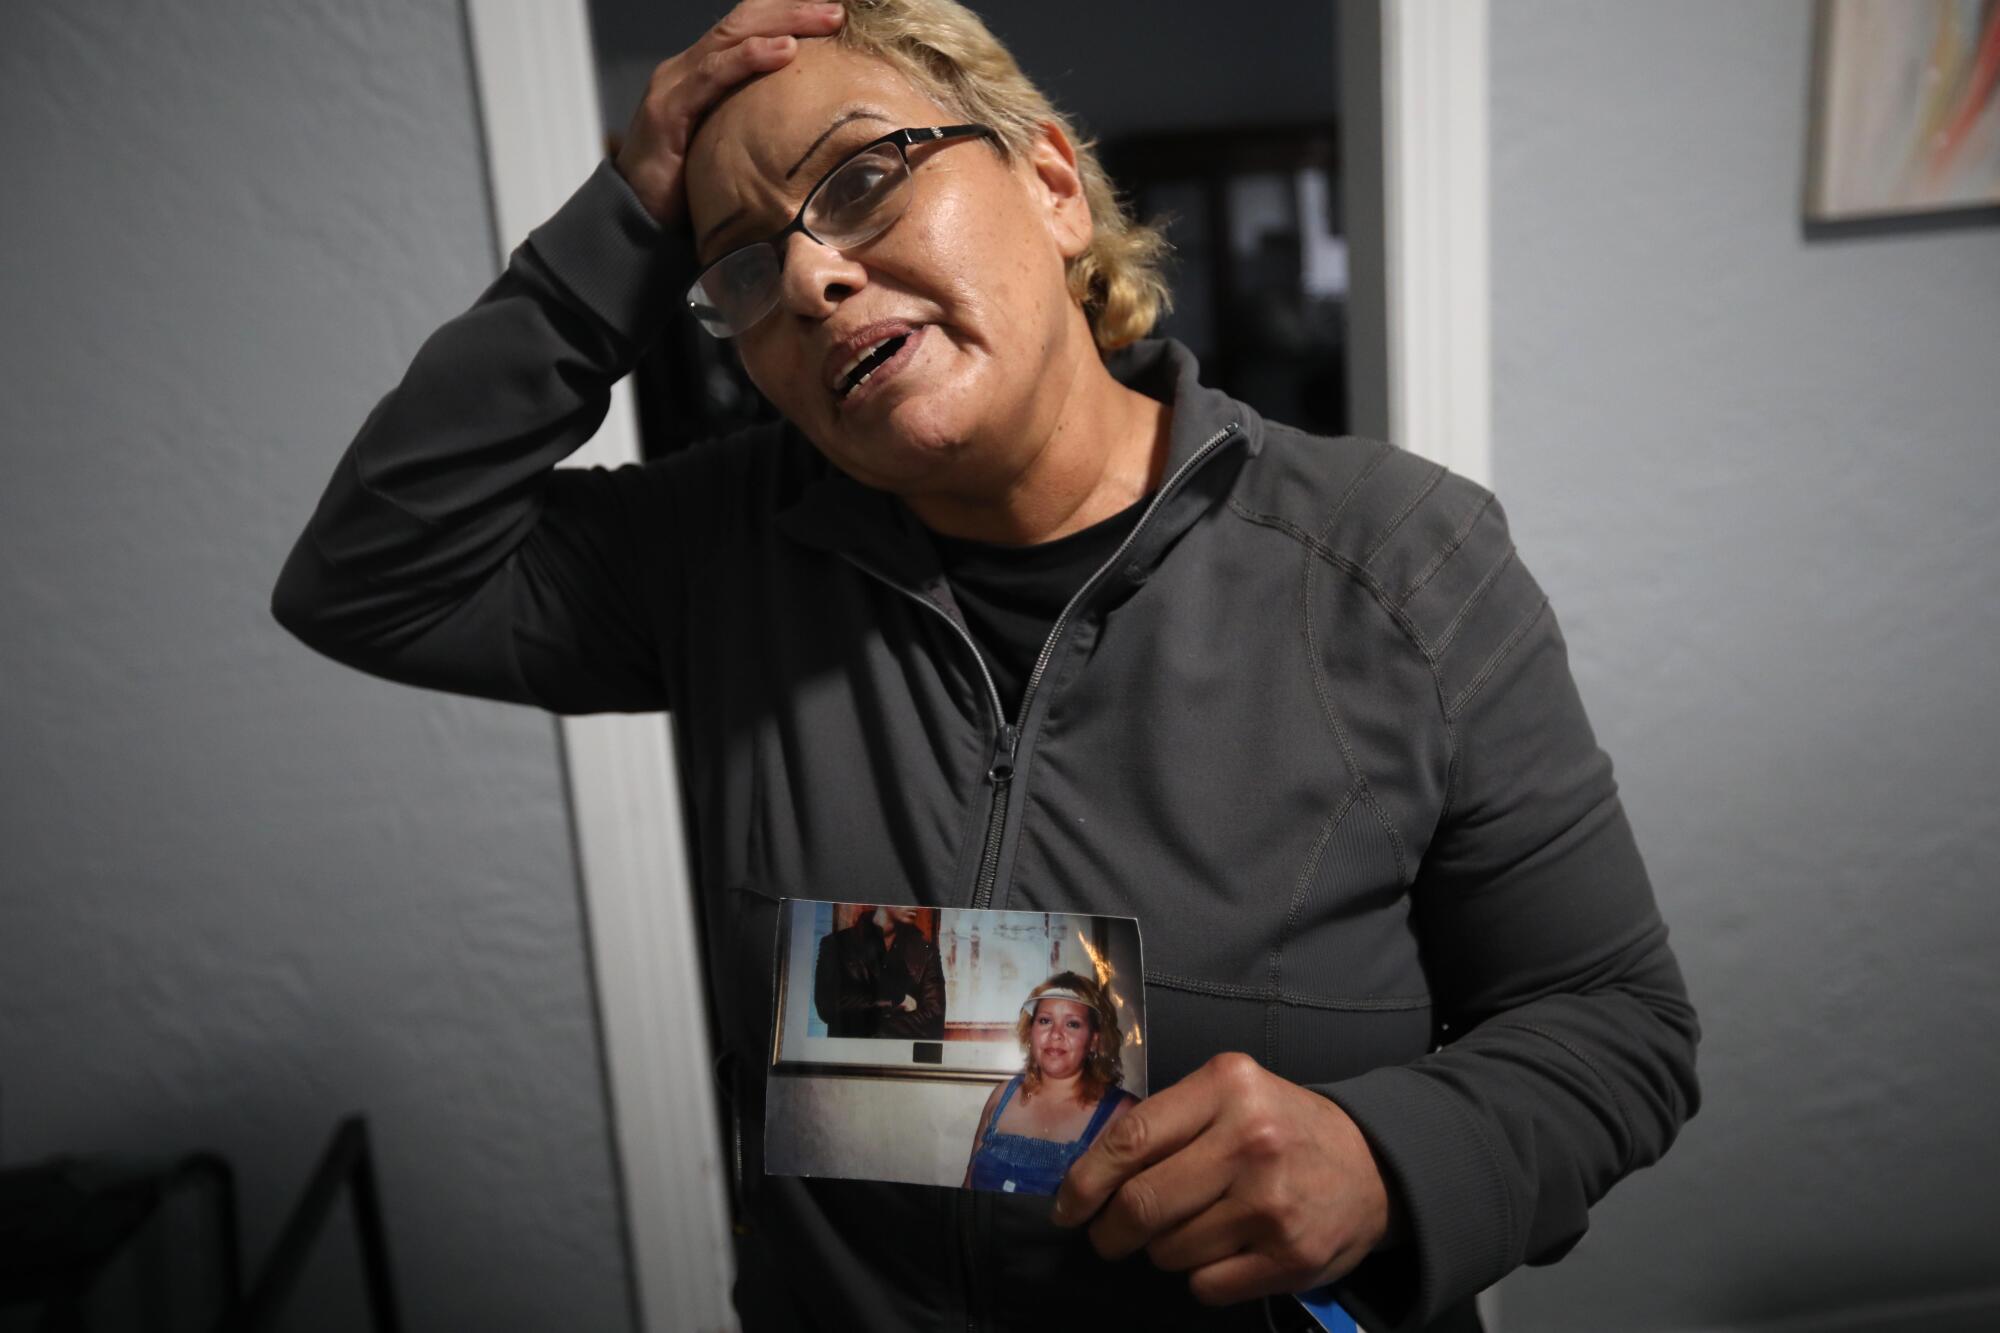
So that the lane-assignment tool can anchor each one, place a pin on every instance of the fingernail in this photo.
(1060, 1213)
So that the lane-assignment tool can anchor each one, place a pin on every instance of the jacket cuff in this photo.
(1457, 1212)
(607, 250)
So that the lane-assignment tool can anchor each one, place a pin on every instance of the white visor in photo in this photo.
(1057, 993)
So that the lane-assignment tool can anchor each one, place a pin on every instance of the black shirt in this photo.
(1011, 595)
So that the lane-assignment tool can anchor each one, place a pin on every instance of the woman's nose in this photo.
(817, 277)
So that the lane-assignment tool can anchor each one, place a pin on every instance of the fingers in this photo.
(1246, 1276)
(716, 72)
(1241, 1277)
(1249, 1184)
(1161, 1198)
(773, 18)
(1162, 1124)
(754, 38)
(1223, 1229)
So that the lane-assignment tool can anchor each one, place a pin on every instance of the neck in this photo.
(1063, 1089)
(1102, 447)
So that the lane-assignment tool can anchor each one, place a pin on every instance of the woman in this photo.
(1038, 1122)
(1013, 612)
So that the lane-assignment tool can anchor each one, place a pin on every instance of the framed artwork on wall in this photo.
(1906, 109)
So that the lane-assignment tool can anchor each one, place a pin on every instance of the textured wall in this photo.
(246, 891)
(1759, 476)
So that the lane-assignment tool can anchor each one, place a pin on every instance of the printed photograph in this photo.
(948, 1046)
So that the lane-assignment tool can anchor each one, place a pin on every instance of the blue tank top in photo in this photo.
(1017, 1164)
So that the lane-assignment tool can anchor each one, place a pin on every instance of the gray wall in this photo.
(246, 891)
(1759, 476)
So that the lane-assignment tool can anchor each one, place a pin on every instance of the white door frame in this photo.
(537, 84)
(1415, 147)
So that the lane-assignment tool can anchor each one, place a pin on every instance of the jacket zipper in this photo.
(989, 869)
(1007, 735)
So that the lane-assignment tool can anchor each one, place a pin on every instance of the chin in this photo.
(916, 442)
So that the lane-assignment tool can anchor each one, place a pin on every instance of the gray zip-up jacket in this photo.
(1313, 725)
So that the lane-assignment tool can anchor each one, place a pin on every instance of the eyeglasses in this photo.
(854, 203)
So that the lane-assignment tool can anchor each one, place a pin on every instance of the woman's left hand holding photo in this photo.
(1250, 1184)
(754, 38)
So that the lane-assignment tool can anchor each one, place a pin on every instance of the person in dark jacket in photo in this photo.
(880, 977)
(1011, 611)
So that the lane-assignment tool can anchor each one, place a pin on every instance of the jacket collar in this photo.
(837, 514)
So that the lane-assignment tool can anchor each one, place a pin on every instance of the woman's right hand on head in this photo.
(754, 38)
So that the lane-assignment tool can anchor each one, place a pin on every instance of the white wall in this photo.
(246, 891)
(1759, 476)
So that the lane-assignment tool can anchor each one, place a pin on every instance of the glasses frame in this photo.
(903, 140)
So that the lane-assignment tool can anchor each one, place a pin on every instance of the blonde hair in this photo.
(1103, 1068)
(949, 54)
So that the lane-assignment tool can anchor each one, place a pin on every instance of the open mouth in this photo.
(876, 364)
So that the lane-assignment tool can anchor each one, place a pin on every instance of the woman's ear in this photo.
(1060, 182)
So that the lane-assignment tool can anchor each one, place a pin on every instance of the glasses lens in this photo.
(736, 290)
(860, 199)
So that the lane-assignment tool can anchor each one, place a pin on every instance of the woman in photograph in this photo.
(1067, 1093)
(1011, 610)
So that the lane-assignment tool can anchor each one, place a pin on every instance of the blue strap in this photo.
(1105, 1106)
(1012, 1084)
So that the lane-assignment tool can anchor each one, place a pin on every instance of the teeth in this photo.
(840, 380)
(859, 357)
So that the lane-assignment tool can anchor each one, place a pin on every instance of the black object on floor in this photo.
(346, 1163)
(65, 1221)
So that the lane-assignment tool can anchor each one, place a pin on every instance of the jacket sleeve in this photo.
(827, 989)
(1567, 1040)
(448, 550)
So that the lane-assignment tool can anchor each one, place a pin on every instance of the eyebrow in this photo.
(847, 117)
